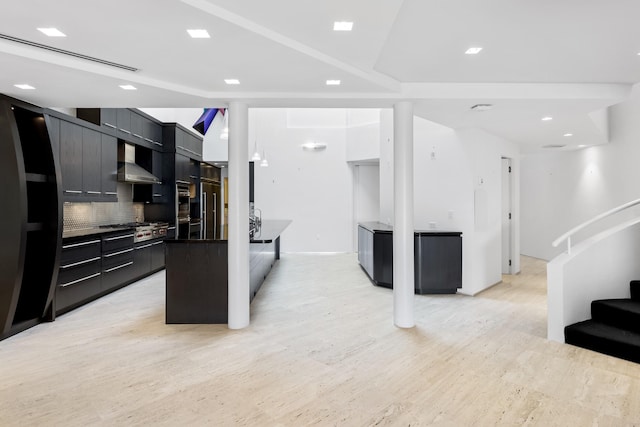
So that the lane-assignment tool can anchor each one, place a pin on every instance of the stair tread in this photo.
(607, 332)
(625, 304)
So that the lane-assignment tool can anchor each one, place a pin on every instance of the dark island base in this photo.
(197, 274)
(438, 258)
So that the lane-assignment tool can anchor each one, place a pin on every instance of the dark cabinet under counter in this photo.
(437, 258)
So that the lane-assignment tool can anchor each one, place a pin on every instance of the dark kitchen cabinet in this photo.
(437, 263)
(91, 165)
(160, 192)
(152, 133)
(123, 122)
(183, 168)
(109, 163)
(71, 161)
(136, 127)
(32, 220)
(53, 127)
(157, 255)
(182, 141)
(142, 259)
(79, 278)
(117, 260)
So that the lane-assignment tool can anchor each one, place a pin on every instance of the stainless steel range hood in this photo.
(129, 171)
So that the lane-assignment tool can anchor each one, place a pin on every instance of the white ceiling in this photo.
(564, 58)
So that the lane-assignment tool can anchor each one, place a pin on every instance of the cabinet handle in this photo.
(158, 195)
(171, 228)
(119, 267)
(182, 148)
(118, 253)
(137, 136)
(94, 192)
(148, 140)
(110, 239)
(143, 247)
(75, 245)
(109, 125)
(157, 143)
(157, 243)
(111, 193)
(79, 280)
(86, 261)
(125, 131)
(73, 191)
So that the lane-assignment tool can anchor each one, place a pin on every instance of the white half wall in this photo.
(457, 187)
(564, 189)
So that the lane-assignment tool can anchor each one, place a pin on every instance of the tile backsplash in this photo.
(77, 216)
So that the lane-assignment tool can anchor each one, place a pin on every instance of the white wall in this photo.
(561, 190)
(312, 188)
(448, 168)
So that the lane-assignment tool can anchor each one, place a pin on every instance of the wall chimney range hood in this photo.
(129, 171)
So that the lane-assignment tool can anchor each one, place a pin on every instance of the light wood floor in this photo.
(321, 350)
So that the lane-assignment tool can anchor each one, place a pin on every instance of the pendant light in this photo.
(264, 163)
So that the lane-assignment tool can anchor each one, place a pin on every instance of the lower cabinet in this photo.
(92, 266)
(79, 276)
(157, 255)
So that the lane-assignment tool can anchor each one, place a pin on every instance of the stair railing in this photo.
(567, 236)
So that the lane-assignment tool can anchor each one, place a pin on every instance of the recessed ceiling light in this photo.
(473, 50)
(199, 34)
(232, 81)
(581, 146)
(568, 134)
(128, 87)
(547, 118)
(333, 82)
(342, 26)
(24, 86)
(52, 32)
(482, 107)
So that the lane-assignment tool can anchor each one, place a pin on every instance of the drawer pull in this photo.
(143, 247)
(118, 253)
(137, 136)
(94, 192)
(157, 243)
(80, 280)
(109, 125)
(111, 193)
(125, 131)
(119, 267)
(75, 245)
(157, 143)
(110, 239)
(73, 191)
(80, 263)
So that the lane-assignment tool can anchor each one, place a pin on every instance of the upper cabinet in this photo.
(182, 141)
(88, 161)
(130, 125)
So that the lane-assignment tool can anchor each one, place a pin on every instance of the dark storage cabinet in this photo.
(80, 271)
(32, 225)
(437, 258)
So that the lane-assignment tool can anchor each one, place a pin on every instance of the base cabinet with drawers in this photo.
(92, 266)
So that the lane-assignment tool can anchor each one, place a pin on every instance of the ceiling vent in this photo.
(67, 52)
(482, 107)
(554, 146)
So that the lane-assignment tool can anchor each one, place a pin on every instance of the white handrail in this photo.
(567, 236)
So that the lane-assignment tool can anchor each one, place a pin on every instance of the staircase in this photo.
(614, 328)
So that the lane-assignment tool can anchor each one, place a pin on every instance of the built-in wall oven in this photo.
(182, 210)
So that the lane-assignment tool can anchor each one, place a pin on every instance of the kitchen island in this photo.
(197, 273)
(437, 257)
